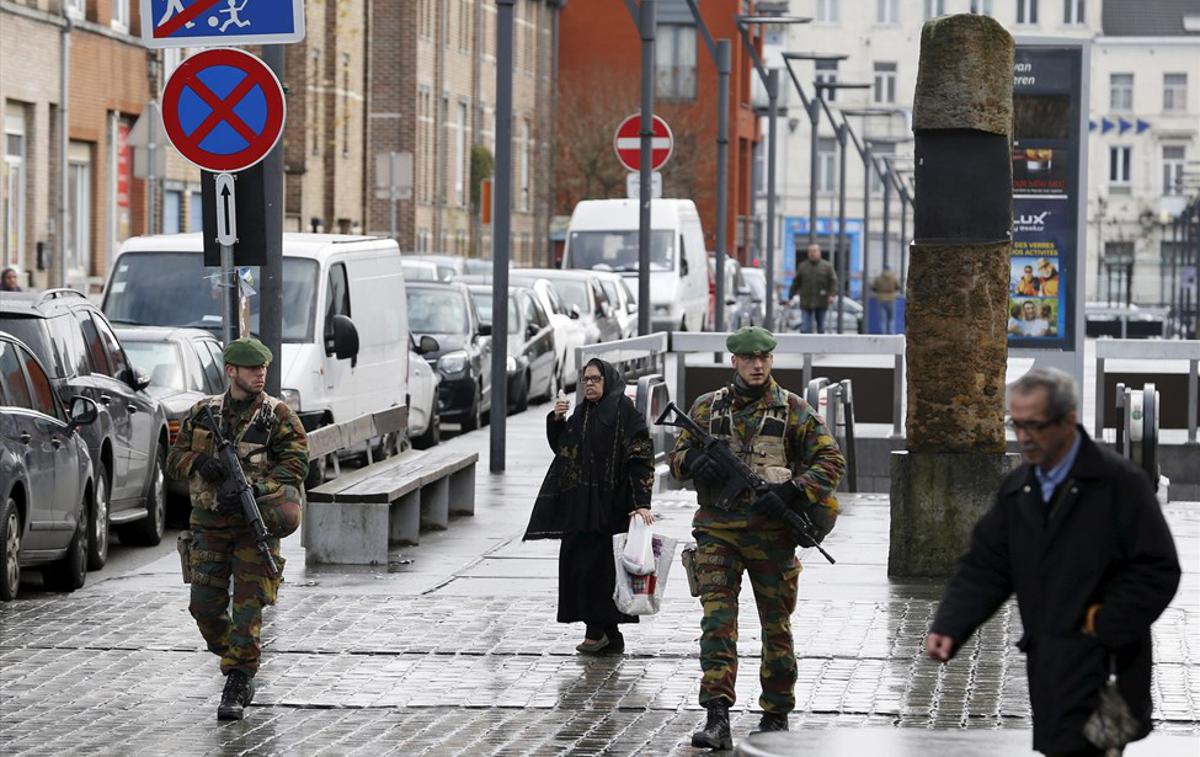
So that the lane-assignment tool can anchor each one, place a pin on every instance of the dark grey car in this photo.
(45, 476)
(128, 441)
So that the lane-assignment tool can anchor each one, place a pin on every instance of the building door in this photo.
(79, 209)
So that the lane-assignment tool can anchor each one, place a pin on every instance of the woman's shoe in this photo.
(593, 646)
(616, 645)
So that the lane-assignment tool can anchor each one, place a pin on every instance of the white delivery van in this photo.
(603, 235)
(335, 288)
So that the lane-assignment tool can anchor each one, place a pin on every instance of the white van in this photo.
(334, 287)
(603, 235)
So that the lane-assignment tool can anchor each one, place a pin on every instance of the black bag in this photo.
(1112, 725)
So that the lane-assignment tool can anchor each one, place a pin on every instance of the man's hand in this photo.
(645, 514)
(209, 468)
(229, 502)
(939, 647)
(702, 467)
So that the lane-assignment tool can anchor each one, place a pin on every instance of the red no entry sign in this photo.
(628, 143)
(223, 109)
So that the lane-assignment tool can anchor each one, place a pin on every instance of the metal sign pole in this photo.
(646, 24)
(724, 68)
(843, 255)
(772, 117)
(226, 204)
(501, 240)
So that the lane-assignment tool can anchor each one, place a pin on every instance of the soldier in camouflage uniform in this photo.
(223, 552)
(779, 436)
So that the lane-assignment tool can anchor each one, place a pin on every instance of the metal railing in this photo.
(634, 357)
(1137, 349)
(834, 402)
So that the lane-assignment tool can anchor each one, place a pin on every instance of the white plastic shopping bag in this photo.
(638, 555)
(638, 594)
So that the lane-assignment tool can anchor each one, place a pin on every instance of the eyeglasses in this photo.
(1014, 425)
(756, 357)
(593, 379)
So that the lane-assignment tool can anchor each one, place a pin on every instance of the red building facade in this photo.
(599, 83)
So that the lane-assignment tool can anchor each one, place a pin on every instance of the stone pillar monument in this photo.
(957, 307)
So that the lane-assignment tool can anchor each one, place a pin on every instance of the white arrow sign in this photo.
(226, 210)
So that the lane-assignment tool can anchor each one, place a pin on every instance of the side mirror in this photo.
(574, 312)
(83, 411)
(485, 329)
(427, 345)
(342, 343)
(631, 307)
(137, 380)
(532, 330)
(683, 267)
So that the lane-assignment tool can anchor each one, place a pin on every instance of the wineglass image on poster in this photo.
(1036, 276)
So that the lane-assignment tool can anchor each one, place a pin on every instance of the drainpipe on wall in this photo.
(64, 129)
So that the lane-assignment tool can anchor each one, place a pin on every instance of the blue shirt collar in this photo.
(1049, 480)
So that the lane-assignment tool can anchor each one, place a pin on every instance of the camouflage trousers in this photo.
(225, 561)
(769, 557)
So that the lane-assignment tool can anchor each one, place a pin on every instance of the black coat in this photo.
(1107, 543)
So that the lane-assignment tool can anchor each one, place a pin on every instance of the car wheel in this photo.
(474, 419)
(98, 520)
(69, 573)
(432, 435)
(149, 530)
(10, 550)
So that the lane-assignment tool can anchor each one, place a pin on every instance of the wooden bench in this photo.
(353, 519)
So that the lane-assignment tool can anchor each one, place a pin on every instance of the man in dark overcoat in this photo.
(1077, 533)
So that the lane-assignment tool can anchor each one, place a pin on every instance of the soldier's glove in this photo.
(209, 468)
(702, 467)
(228, 501)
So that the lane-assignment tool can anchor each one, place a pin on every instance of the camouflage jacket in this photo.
(813, 457)
(270, 440)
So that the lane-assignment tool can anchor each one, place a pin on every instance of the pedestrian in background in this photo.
(223, 553)
(816, 286)
(776, 434)
(885, 287)
(1077, 533)
(10, 280)
(601, 476)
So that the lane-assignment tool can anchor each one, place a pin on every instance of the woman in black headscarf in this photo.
(602, 474)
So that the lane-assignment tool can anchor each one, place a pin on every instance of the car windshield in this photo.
(175, 289)
(35, 335)
(417, 271)
(574, 293)
(483, 305)
(436, 311)
(160, 361)
(618, 250)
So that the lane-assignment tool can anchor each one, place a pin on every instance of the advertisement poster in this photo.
(1045, 158)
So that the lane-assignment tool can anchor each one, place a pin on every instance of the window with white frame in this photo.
(1027, 11)
(172, 211)
(1174, 158)
(826, 164)
(1120, 93)
(887, 11)
(885, 83)
(1120, 159)
(76, 8)
(120, 14)
(1074, 11)
(1174, 93)
(460, 155)
(12, 186)
(79, 207)
(195, 211)
(934, 8)
(827, 12)
(982, 7)
(827, 73)
(675, 61)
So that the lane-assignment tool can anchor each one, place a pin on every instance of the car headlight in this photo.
(662, 309)
(511, 364)
(453, 362)
(291, 398)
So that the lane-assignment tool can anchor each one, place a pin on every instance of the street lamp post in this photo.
(770, 80)
(501, 240)
(644, 18)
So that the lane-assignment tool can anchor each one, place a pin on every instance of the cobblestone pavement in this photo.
(453, 650)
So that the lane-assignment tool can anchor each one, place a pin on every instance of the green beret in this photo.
(751, 340)
(247, 352)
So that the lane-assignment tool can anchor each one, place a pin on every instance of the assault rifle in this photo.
(740, 478)
(228, 456)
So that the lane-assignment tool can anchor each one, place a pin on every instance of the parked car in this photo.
(424, 421)
(741, 308)
(854, 318)
(345, 326)
(450, 267)
(419, 270)
(464, 356)
(531, 355)
(623, 300)
(184, 366)
(45, 475)
(569, 333)
(579, 291)
(128, 442)
(756, 279)
(603, 235)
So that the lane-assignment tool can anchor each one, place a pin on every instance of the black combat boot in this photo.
(773, 721)
(715, 734)
(239, 691)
